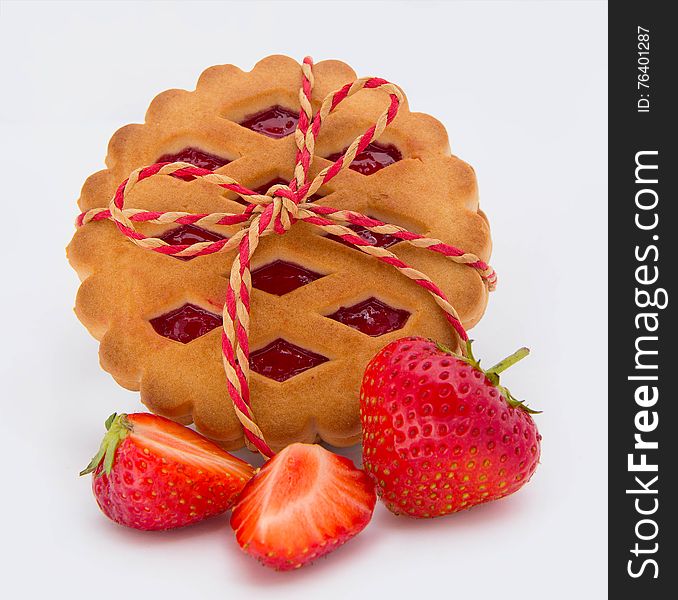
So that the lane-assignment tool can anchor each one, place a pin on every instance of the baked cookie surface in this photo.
(320, 309)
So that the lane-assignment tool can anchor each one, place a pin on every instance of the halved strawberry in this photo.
(305, 502)
(151, 473)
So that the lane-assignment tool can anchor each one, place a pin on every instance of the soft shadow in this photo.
(482, 516)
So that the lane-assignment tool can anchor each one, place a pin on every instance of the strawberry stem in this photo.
(509, 361)
(117, 428)
(493, 375)
(493, 372)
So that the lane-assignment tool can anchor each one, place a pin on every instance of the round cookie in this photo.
(320, 310)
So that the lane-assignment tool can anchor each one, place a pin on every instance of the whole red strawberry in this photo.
(305, 502)
(439, 433)
(152, 473)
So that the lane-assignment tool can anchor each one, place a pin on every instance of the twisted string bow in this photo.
(275, 212)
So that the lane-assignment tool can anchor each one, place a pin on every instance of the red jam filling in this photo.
(371, 317)
(381, 240)
(281, 277)
(187, 235)
(275, 122)
(196, 157)
(281, 360)
(185, 323)
(373, 158)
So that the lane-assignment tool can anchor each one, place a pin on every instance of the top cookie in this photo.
(320, 310)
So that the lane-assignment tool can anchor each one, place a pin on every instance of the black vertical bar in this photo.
(643, 432)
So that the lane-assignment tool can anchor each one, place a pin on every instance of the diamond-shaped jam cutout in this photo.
(374, 157)
(381, 240)
(196, 157)
(186, 323)
(281, 277)
(187, 235)
(372, 317)
(281, 360)
(275, 122)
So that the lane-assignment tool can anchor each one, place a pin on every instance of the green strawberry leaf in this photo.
(117, 428)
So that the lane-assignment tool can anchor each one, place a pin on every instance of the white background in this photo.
(521, 88)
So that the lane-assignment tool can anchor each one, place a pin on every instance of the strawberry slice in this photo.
(305, 502)
(151, 473)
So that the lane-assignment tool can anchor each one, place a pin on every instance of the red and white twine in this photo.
(275, 212)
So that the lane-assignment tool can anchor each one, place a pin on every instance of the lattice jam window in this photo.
(196, 157)
(189, 234)
(186, 323)
(281, 277)
(275, 122)
(373, 158)
(371, 317)
(281, 360)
